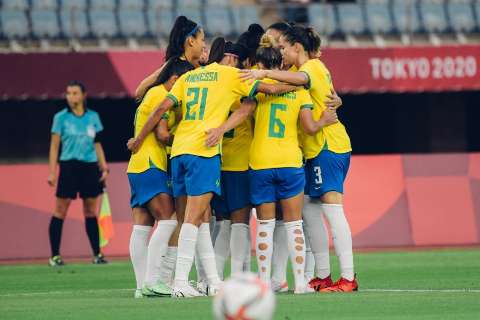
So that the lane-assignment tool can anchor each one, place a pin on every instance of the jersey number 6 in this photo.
(276, 128)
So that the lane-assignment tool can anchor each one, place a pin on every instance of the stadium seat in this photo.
(433, 15)
(350, 18)
(322, 18)
(103, 23)
(102, 4)
(132, 23)
(131, 4)
(193, 14)
(44, 4)
(189, 3)
(73, 4)
(14, 23)
(405, 16)
(461, 15)
(160, 21)
(74, 23)
(243, 16)
(218, 21)
(477, 12)
(15, 4)
(378, 16)
(157, 4)
(44, 23)
(219, 3)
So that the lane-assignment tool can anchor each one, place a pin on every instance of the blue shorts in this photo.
(194, 175)
(235, 193)
(326, 172)
(271, 185)
(146, 185)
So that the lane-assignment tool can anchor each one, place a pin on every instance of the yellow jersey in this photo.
(275, 138)
(236, 144)
(206, 96)
(172, 125)
(333, 137)
(151, 153)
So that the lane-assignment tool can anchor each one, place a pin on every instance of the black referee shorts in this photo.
(78, 177)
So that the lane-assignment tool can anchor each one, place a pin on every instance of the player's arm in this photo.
(147, 82)
(311, 126)
(102, 161)
(291, 77)
(214, 135)
(162, 133)
(53, 159)
(134, 143)
(275, 88)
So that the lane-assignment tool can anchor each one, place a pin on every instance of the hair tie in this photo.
(191, 33)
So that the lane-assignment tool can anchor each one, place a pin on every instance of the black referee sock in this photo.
(55, 233)
(91, 226)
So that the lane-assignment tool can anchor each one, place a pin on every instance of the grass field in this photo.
(439, 284)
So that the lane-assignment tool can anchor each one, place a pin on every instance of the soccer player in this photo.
(83, 168)
(150, 186)
(328, 159)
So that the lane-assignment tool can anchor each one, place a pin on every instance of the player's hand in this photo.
(52, 180)
(104, 176)
(334, 101)
(251, 75)
(329, 117)
(214, 136)
(133, 145)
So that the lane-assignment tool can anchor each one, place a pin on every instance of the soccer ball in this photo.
(244, 296)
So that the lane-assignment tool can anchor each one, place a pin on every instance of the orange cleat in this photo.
(317, 284)
(342, 285)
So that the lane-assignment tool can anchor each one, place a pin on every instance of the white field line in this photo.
(113, 291)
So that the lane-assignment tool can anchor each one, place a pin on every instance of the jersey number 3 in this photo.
(194, 95)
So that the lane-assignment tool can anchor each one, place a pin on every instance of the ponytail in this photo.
(182, 29)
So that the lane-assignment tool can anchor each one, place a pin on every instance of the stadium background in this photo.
(410, 92)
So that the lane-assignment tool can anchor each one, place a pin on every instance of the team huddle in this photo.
(251, 125)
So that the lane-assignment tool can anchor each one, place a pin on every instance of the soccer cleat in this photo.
(158, 290)
(318, 284)
(186, 291)
(212, 290)
(201, 286)
(138, 294)
(99, 259)
(56, 261)
(279, 287)
(343, 285)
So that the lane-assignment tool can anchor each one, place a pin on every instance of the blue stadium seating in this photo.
(74, 23)
(14, 24)
(44, 23)
(15, 4)
(73, 4)
(433, 15)
(378, 16)
(132, 23)
(156, 4)
(131, 4)
(103, 23)
(350, 18)
(322, 18)
(220, 3)
(44, 4)
(461, 15)
(193, 14)
(477, 12)
(102, 4)
(160, 21)
(189, 4)
(218, 21)
(243, 16)
(405, 16)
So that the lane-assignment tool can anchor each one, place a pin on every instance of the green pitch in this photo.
(440, 284)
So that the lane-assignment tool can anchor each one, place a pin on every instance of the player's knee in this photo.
(332, 197)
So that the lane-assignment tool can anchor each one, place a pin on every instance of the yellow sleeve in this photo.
(176, 93)
(307, 68)
(242, 88)
(304, 99)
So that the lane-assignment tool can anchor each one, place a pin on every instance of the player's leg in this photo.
(334, 170)
(55, 230)
(222, 239)
(280, 254)
(239, 239)
(167, 266)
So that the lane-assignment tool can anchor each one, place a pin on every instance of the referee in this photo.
(83, 168)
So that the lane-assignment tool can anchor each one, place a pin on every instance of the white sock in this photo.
(280, 253)
(317, 233)
(296, 248)
(222, 246)
(157, 247)
(342, 238)
(167, 267)
(309, 259)
(187, 241)
(138, 252)
(214, 227)
(206, 254)
(201, 276)
(264, 248)
(247, 264)
(239, 246)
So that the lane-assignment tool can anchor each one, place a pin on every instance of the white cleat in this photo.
(279, 287)
(186, 291)
(212, 290)
(202, 287)
(138, 294)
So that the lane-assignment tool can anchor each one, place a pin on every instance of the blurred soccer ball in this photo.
(244, 296)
